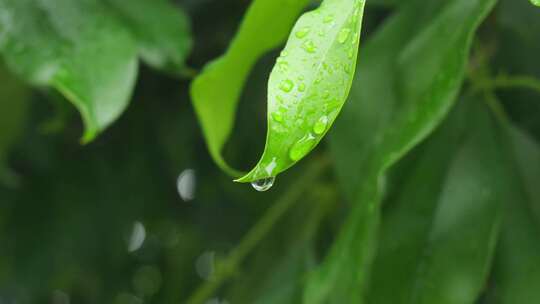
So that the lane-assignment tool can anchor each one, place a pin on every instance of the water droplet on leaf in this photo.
(344, 35)
(301, 147)
(286, 85)
(277, 116)
(303, 32)
(320, 125)
(309, 46)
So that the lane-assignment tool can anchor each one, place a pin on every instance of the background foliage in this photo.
(425, 191)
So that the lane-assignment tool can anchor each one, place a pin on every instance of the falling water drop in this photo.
(264, 184)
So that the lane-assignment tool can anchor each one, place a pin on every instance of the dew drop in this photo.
(320, 125)
(328, 19)
(278, 117)
(286, 85)
(303, 32)
(309, 46)
(264, 184)
(326, 94)
(301, 87)
(344, 35)
(301, 147)
(284, 53)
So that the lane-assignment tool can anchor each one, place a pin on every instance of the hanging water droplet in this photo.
(302, 147)
(309, 46)
(303, 32)
(264, 184)
(344, 35)
(320, 125)
(301, 87)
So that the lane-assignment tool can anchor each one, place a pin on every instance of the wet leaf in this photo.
(309, 84)
(216, 91)
(439, 231)
(410, 74)
(307, 87)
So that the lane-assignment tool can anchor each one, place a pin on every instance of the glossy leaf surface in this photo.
(309, 84)
(411, 73)
(307, 87)
(216, 91)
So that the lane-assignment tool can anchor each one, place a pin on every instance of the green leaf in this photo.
(535, 2)
(517, 265)
(307, 87)
(309, 84)
(439, 231)
(162, 31)
(77, 47)
(216, 91)
(411, 72)
(86, 51)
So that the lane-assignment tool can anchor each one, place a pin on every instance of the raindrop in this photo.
(328, 19)
(303, 32)
(186, 183)
(277, 116)
(302, 87)
(301, 147)
(264, 184)
(286, 85)
(309, 46)
(320, 125)
(344, 35)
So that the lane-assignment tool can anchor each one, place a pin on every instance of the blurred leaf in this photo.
(162, 31)
(78, 47)
(535, 2)
(216, 92)
(440, 230)
(13, 112)
(275, 274)
(309, 84)
(85, 51)
(517, 265)
(410, 74)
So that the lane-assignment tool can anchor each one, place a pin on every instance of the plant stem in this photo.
(509, 82)
(228, 267)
